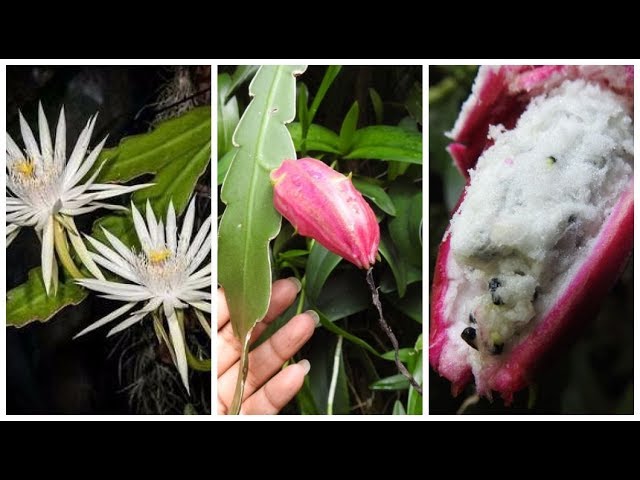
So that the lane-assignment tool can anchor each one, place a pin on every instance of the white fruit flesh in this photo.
(537, 199)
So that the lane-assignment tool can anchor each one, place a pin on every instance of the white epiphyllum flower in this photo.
(163, 275)
(44, 191)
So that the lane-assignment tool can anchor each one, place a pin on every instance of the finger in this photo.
(229, 347)
(265, 360)
(223, 309)
(278, 391)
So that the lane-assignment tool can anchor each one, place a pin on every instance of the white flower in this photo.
(163, 275)
(44, 192)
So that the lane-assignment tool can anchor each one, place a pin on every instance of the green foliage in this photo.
(350, 373)
(29, 302)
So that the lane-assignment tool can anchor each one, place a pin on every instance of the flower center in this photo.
(26, 168)
(159, 256)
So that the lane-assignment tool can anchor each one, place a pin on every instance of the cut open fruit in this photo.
(544, 226)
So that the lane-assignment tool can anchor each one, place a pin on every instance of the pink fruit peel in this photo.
(500, 95)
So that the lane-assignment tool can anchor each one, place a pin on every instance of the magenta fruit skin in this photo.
(324, 205)
(500, 95)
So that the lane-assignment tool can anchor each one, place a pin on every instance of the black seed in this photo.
(494, 283)
(497, 348)
(551, 159)
(472, 319)
(519, 272)
(495, 298)
(535, 294)
(469, 336)
(572, 218)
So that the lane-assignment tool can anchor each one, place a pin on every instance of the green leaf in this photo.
(303, 108)
(405, 354)
(414, 402)
(224, 163)
(329, 76)
(174, 181)
(332, 327)
(394, 382)
(319, 138)
(395, 261)
(396, 169)
(228, 115)
(411, 303)
(375, 193)
(173, 141)
(378, 106)
(414, 102)
(250, 221)
(398, 408)
(29, 302)
(385, 142)
(293, 253)
(348, 128)
(241, 75)
(343, 294)
(405, 227)
(319, 266)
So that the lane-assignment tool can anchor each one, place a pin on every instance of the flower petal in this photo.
(11, 236)
(31, 146)
(204, 252)
(124, 271)
(45, 136)
(109, 318)
(199, 238)
(204, 306)
(81, 250)
(171, 229)
(86, 166)
(179, 347)
(47, 254)
(126, 324)
(152, 223)
(13, 151)
(60, 152)
(120, 247)
(79, 150)
(187, 227)
(114, 288)
(141, 229)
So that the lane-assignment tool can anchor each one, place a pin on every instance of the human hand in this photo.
(264, 393)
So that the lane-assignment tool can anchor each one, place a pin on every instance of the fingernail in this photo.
(296, 282)
(306, 365)
(314, 315)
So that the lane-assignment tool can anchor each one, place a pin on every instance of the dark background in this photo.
(47, 372)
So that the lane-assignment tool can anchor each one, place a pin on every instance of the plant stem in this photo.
(387, 329)
(301, 299)
(62, 249)
(334, 376)
(236, 404)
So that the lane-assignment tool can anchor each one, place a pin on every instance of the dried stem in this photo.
(387, 329)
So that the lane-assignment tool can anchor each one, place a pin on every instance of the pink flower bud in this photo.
(324, 205)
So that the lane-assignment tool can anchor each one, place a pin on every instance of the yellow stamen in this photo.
(159, 256)
(26, 168)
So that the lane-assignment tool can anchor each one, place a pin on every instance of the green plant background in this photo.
(368, 121)
(595, 375)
